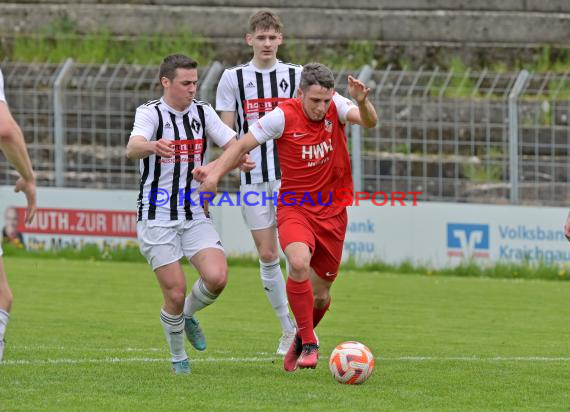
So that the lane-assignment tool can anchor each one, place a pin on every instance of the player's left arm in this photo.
(364, 113)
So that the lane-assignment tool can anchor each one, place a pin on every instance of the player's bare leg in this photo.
(213, 269)
(274, 283)
(173, 285)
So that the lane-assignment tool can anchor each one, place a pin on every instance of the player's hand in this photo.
(208, 185)
(247, 163)
(567, 228)
(201, 173)
(357, 90)
(164, 148)
(29, 189)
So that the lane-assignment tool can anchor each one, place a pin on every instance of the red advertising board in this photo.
(84, 222)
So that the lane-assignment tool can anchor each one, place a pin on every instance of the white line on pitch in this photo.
(269, 354)
(478, 358)
(113, 350)
(268, 359)
(124, 360)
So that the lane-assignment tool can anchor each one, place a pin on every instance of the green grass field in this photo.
(86, 335)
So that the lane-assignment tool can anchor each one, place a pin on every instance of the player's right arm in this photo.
(13, 145)
(229, 118)
(141, 143)
(139, 148)
(225, 105)
(226, 99)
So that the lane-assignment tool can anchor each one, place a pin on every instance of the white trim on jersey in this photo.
(167, 181)
(343, 106)
(271, 127)
(252, 93)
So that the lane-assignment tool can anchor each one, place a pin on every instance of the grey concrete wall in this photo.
(420, 32)
(487, 5)
(309, 23)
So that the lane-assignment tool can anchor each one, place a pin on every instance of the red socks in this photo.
(319, 313)
(300, 295)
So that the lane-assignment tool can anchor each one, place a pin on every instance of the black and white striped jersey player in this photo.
(170, 137)
(246, 93)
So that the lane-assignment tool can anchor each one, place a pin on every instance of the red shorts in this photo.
(324, 236)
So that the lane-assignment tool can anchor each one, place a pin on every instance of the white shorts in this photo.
(262, 215)
(165, 241)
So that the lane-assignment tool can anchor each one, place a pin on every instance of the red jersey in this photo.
(313, 155)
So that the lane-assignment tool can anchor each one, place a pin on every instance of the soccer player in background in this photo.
(170, 136)
(245, 94)
(13, 145)
(314, 159)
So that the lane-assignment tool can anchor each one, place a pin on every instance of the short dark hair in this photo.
(175, 61)
(265, 20)
(316, 73)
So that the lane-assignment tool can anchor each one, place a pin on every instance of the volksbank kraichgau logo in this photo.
(467, 240)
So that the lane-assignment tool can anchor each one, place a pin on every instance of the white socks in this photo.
(274, 286)
(173, 326)
(198, 298)
(4, 316)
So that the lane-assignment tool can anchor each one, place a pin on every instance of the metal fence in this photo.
(462, 137)
(471, 137)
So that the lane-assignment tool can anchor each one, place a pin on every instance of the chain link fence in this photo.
(461, 137)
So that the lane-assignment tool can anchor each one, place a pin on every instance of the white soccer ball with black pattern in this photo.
(351, 363)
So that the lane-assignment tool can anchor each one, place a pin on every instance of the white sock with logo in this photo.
(274, 286)
(173, 326)
(198, 298)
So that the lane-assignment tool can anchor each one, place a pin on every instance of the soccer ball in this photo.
(351, 363)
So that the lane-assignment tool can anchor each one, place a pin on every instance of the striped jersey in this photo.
(167, 188)
(2, 96)
(251, 93)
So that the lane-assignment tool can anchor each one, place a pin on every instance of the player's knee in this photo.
(217, 279)
(267, 255)
(176, 296)
(299, 264)
(321, 300)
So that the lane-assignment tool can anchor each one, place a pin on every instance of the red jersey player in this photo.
(313, 154)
